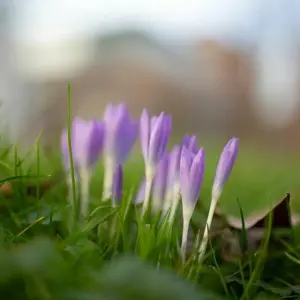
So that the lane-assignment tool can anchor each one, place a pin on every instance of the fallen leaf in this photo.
(281, 216)
(254, 224)
(7, 189)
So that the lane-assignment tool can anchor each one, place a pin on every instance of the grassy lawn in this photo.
(41, 259)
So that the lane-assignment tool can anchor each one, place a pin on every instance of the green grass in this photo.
(114, 254)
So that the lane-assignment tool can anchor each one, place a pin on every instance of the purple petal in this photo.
(81, 137)
(108, 112)
(96, 141)
(87, 143)
(197, 174)
(190, 142)
(117, 184)
(185, 164)
(112, 117)
(127, 136)
(160, 179)
(226, 161)
(121, 132)
(153, 123)
(144, 132)
(155, 140)
(167, 126)
(174, 165)
(186, 140)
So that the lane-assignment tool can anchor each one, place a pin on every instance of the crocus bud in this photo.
(120, 135)
(117, 185)
(191, 176)
(154, 135)
(225, 165)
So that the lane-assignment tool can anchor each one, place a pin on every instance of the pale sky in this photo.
(275, 23)
(47, 20)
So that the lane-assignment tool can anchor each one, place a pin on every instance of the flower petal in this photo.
(166, 130)
(155, 140)
(197, 174)
(160, 182)
(185, 164)
(96, 141)
(126, 138)
(226, 162)
(174, 165)
(121, 132)
(81, 131)
(190, 142)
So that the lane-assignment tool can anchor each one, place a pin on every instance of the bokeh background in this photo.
(220, 67)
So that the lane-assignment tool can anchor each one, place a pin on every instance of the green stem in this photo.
(73, 180)
(185, 231)
(204, 241)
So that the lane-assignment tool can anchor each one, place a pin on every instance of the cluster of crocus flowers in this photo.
(169, 176)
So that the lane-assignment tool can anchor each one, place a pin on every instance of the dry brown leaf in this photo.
(7, 188)
(255, 226)
(281, 218)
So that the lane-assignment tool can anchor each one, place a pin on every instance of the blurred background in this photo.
(220, 67)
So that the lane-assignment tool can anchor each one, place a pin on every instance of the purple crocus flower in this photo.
(191, 175)
(225, 165)
(154, 135)
(120, 135)
(87, 143)
(117, 185)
